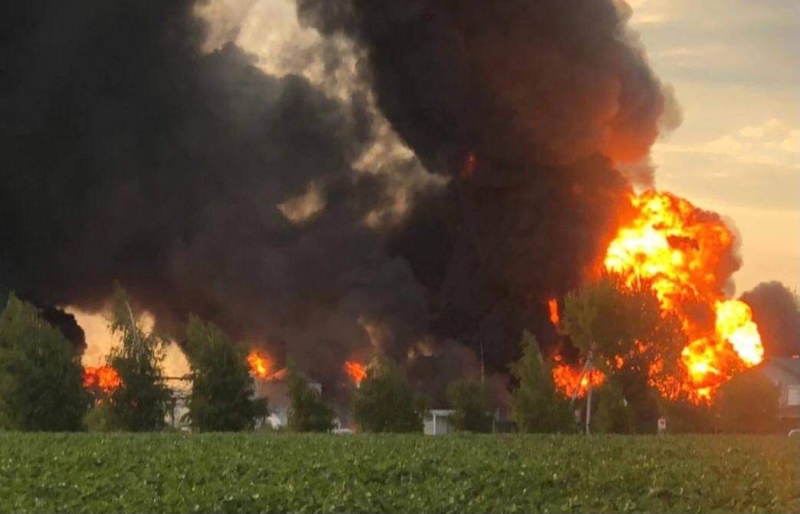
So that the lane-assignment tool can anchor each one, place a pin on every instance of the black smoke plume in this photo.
(131, 155)
(775, 311)
(528, 106)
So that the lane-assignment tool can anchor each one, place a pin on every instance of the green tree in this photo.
(614, 415)
(140, 403)
(686, 417)
(535, 404)
(468, 400)
(747, 403)
(222, 397)
(308, 412)
(41, 378)
(384, 402)
(624, 331)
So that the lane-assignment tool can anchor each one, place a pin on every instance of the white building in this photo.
(437, 422)
(177, 410)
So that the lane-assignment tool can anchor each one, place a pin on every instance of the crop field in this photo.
(304, 473)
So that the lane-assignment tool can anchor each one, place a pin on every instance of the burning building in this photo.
(478, 159)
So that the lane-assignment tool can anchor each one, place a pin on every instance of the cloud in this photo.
(771, 143)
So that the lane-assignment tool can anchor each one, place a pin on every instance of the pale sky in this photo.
(735, 68)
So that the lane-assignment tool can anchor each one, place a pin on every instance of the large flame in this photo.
(356, 371)
(682, 250)
(573, 382)
(104, 378)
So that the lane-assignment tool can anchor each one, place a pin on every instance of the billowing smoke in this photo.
(199, 182)
(775, 311)
(529, 106)
(204, 184)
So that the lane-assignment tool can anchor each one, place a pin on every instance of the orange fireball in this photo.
(104, 378)
(260, 364)
(686, 253)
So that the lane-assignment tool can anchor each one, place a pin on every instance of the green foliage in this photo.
(612, 319)
(246, 472)
(468, 400)
(308, 413)
(685, 417)
(536, 405)
(747, 403)
(614, 415)
(140, 403)
(98, 418)
(384, 402)
(222, 397)
(41, 378)
(615, 322)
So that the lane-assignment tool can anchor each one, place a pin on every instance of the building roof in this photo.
(781, 369)
(790, 411)
(441, 412)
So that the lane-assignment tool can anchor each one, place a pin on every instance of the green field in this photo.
(279, 473)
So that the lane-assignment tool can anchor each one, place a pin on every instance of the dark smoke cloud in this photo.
(519, 81)
(776, 314)
(541, 100)
(130, 155)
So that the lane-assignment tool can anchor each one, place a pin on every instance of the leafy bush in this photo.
(468, 400)
(747, 404)
(384, 402)
(536, 405)
(140, 403)
(308, 412)
(41, 379)
(222, 397)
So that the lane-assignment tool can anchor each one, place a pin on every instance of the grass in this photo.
(304, 473)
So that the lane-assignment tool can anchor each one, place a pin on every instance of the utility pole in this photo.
(589, 408)
(587, 368)
(482, 366)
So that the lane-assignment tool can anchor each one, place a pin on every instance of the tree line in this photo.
(41, 379)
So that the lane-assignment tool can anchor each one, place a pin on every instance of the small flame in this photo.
(260, 365)
(356, 371)
(552, 304)
(469, 166)
(104, 378)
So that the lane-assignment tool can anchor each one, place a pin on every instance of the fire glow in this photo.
(552, 306)
(569, 380)
(356, 371)
(262, 366)
(104, 378)
(681, 250)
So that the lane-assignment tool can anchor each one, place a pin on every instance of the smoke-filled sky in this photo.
(735, 68)
(394, 176)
